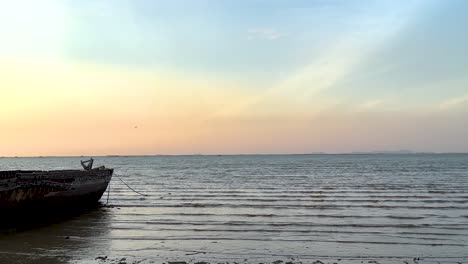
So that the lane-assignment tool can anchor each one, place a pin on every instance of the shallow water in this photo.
(348, 208)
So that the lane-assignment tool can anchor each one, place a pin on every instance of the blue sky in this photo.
(411, 42)
(230, 37)
(219, 76)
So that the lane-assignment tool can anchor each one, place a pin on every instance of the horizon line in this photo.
(249, 154)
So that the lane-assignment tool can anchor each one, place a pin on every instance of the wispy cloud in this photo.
(454, 102)
(264, 33)
(300, 92)
(370, 105)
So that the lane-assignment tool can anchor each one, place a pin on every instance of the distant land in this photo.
(376, 152)
(403, 151)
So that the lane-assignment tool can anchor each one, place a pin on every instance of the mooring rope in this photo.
(108, 192)
(130, 187)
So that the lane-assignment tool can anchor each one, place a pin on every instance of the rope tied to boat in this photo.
(108, 192)
(137, 192)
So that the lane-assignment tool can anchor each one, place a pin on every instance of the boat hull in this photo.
(20, 190)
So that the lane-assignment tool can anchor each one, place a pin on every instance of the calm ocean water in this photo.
(260, 209)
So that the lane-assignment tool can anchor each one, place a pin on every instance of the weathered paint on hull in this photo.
(24, 190)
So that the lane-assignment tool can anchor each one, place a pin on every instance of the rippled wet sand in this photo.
(261, 209)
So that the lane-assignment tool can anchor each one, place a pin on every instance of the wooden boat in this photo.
(35, 189)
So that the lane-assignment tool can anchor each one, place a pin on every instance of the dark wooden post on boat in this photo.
(88, 166)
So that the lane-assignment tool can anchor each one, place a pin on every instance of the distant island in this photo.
(402, 151)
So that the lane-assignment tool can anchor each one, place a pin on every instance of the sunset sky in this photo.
(95, 77)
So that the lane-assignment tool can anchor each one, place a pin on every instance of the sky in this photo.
(140, 77)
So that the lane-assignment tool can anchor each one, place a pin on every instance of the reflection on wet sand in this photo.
(54, 237)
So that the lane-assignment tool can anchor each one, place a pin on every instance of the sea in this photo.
(376, 208)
